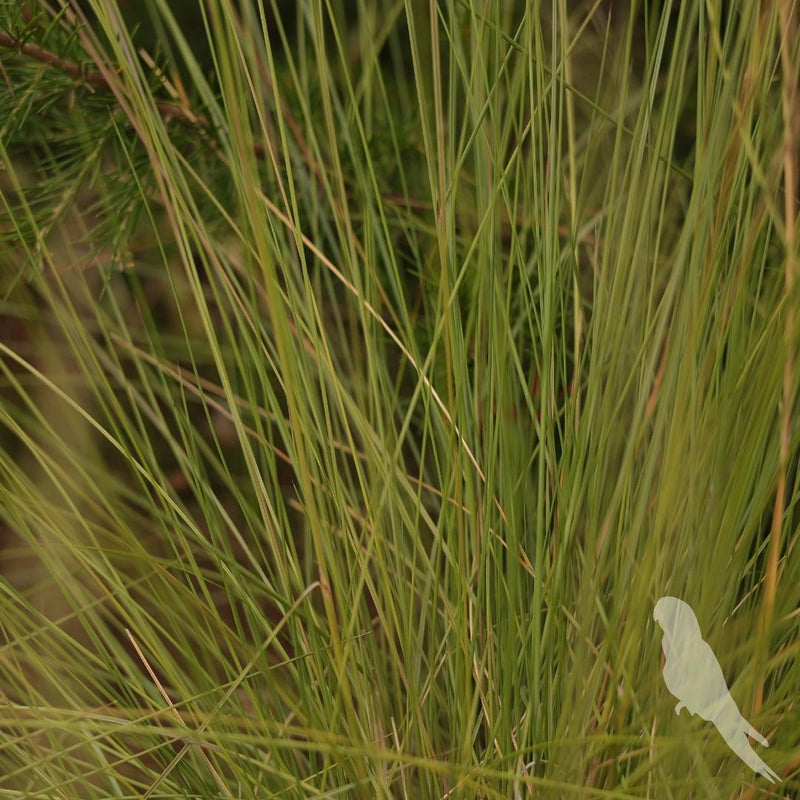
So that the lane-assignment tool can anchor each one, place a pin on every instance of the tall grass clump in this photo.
(369, 370)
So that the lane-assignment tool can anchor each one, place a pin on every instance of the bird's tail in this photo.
(751, 731)
(741, 747)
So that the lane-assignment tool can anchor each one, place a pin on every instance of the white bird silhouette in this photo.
(693, 674)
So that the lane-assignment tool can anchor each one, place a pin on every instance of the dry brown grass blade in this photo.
(787, 21)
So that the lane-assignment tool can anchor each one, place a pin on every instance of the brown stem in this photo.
(790, 116)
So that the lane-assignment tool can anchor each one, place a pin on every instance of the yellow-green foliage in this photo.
(368, 370)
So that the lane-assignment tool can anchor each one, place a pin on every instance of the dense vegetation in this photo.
(369, 370)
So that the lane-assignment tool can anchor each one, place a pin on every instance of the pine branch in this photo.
(51, 59)
(94, 79)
